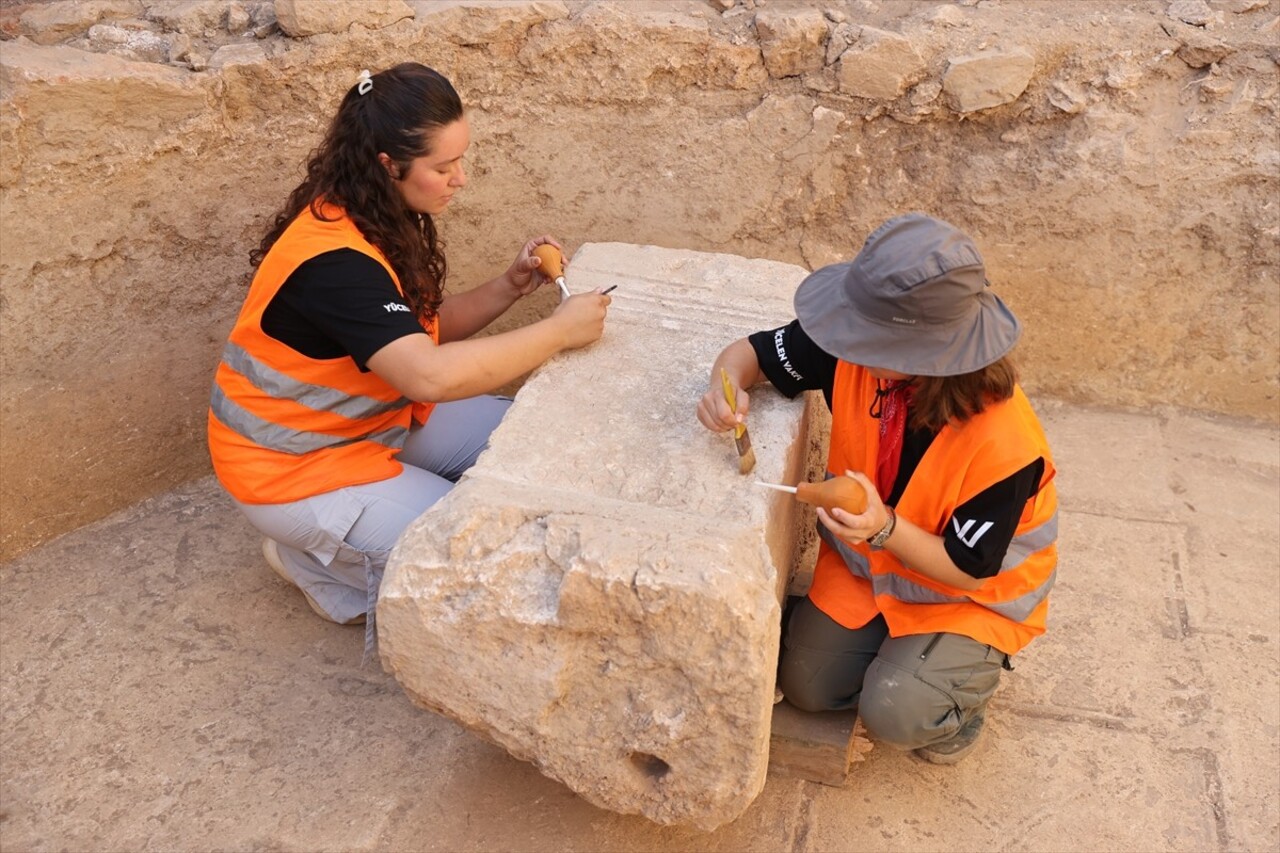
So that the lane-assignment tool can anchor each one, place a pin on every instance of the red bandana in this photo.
(891, 401)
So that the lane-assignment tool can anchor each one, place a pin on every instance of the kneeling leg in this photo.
(922, 688)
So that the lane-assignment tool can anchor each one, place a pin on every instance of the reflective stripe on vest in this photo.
(273, 383)
(283, 426)
(272, 436)
(907, 590)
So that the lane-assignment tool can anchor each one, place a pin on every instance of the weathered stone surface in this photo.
(472, 22)
(842, 35)
(1200, 48)
(50, 23)
(1194, 12)
(791, 39)
(946, 15)
(879, 65)
(192, 17)
(1240, 7)
(76, 92)
(302, 18)
(237, 54)
(139, 44)
(238, 18)
(925, 92)
(629, 52)
(819, 747)
(261, 16)
(782, 122)
(1070, 99)
(600, 593)
(987, 80)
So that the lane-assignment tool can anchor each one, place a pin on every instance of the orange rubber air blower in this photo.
(844, 492)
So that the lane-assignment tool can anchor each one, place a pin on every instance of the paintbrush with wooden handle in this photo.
(746, 453)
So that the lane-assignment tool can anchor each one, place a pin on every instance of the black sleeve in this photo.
(982, 527)
(337, 304)
(793, 362)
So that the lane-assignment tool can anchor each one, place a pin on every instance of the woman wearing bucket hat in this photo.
(918, 602)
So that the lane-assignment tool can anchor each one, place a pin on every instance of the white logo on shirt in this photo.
(782, 356)
(977, 534)
(396, 306)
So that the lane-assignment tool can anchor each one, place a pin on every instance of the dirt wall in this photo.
(1117, 162)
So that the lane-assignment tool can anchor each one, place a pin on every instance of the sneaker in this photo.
(271, 553)
(957, 747)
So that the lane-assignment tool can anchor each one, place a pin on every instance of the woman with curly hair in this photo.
(351, 393)
(919, 601)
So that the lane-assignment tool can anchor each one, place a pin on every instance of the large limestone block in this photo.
(600, 593)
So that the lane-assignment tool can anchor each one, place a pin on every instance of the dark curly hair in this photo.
(399, 116)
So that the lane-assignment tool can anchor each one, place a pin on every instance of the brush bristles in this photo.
(746, 453)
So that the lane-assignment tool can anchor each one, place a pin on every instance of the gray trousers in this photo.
(909, 691)
(335, 545)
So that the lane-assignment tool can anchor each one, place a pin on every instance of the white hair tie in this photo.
(363, 82)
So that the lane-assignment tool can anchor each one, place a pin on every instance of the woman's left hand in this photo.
(864, 525)
(523, 274)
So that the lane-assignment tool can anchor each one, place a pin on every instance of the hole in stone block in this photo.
(650, 765)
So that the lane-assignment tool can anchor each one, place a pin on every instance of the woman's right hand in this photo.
(713, 409)
(582, 318)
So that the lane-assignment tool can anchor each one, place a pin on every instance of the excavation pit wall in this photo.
(1117, 165)
(600, 594)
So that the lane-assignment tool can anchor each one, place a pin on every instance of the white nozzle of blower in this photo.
(791, 489)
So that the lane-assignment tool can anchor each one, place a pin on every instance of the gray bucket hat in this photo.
(914, 300)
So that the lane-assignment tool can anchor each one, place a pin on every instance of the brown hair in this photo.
(939, 400)
(399, 116)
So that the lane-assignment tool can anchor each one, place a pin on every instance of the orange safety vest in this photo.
(283, 426)
(852, 583)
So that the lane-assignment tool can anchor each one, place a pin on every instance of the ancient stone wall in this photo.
(1116, 161)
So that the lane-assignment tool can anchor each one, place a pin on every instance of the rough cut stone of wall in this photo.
(600, 594)
(1118, 165)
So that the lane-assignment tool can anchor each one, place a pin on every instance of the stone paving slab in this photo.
(820, 747)
(161, 689)
(1100, 663)
(1036, 785)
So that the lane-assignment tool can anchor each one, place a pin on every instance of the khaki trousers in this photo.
(909, 691)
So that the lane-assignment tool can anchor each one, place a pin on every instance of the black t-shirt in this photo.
(981, 528)
(341, 303)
